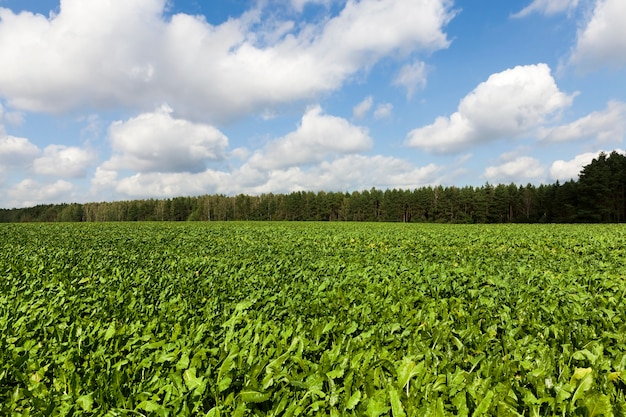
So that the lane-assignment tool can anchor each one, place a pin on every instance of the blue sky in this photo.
(115, 100)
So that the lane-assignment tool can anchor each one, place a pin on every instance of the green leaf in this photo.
(376, 407)
(214, 412)
(85, 402)
(352, 328)
(585, 355)
(253, 396)
(598, 405)
(328, 327)
(335, 373)
(406, 370)
(183, 362)
(224, 383)
(396, 405)
(240, 411)
(580, 373)
(484, 404)
(353, 400)
(223, 380)
(110, 331)
(191, 380)
(585, 385)
(460, 402)
(149, 406)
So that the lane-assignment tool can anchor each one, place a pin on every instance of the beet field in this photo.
(312, 319)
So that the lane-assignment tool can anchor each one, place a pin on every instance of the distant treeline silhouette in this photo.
(599, 195)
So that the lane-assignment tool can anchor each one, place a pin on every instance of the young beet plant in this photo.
(306, 319)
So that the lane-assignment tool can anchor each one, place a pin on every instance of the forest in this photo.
(597, 196)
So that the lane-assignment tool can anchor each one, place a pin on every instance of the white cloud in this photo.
(350, 172)
(103, 53)
(603, 40)
(547, 7)
(16, 151)
(158, 184)
(318, 136)
(298, 5)
(508, 105)
(158, 142)
(298, 155)
(412, 77)
(567, 170)
(383, 110)
(353, 172)
(357, 172)
(91, 52)
(11, 117)
(103, 179)
(29, 193)
(360, 110)
(92, 129)
(517, 170)
(64, 161)
(605, 125)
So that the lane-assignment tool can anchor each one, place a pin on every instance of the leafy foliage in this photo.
(269, 319)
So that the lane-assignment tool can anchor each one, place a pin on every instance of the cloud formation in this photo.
(602, 42)
(324, 152)
(509, 104)
(29, 192)
(412, 77)
(350, 172)
(383, 111)
(522, 167)
(317, 137)
(602, 126)
(158, 142)
(64, 161)
(16, 151)
(547, 7)
(213, 72)
(567, 170)
(298, 5)
(360, 110)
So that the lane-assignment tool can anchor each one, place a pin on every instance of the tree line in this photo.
(599, 195)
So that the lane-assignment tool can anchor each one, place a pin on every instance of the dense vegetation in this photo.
(599, 195)
(354, 319)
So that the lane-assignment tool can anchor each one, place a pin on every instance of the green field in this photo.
(329, 319)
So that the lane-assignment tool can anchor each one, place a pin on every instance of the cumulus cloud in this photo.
(64, 161)
(158, 142)
(412, 77)
(103, 179)
(350, 172)
(159, 184)
(317, 137)
(547, 7)
(509, 104)
(567, 170)
(383, 110)
(518, 169)
(360, 110)
(102, 53)
(90, 53)
(16, 151)
(29, 192)
(605, 125)
(602, 42)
